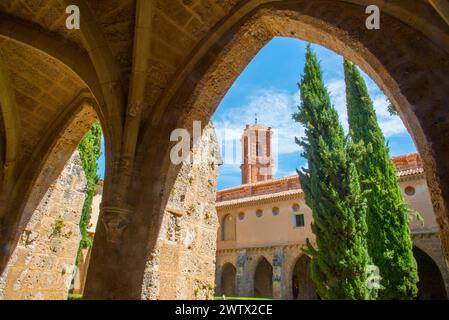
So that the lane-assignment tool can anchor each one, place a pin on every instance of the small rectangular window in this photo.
(299, 220)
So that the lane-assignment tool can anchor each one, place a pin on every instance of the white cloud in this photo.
(274, 109)
(390, 125)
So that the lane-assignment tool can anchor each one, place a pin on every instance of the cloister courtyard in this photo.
(148, 72)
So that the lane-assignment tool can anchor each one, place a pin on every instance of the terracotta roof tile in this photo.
(408, 165)
(257, 198)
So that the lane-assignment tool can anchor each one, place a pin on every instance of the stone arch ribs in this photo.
(139, 75)
(223, 31)
(194, 89)
(9, 115)
(56, 47)
(442, 7)
(116, 211)
(77, 60)
(396, 57)
(44, 166)
(115, 208)
(108, 75)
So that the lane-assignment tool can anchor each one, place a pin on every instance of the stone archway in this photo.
(228, 278)
(46, 239)
(332, 24)
(263, 280)
(431, 284)
(40, 78)
(303, 287)
(192, 64)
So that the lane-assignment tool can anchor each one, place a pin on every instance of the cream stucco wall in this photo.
(270, 230)
(420, 202)
(267, 230)
(276, 238)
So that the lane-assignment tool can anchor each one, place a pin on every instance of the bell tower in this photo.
(257, 157)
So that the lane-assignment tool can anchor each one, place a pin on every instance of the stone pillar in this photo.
(110, 273)
(278, 259)
(243, 277)
(182, 266)
(218, 273)
(165, 247)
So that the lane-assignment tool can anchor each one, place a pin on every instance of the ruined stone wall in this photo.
(183, 263)
(43, 262)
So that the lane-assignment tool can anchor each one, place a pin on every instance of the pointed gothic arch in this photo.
(303, 287)
(228, 280)
(431, 284)
(263, 279)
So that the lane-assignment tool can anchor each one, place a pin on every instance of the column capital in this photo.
(115, 219)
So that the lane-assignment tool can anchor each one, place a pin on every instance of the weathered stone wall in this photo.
(282, 259)
(183, 262)
(43, 262)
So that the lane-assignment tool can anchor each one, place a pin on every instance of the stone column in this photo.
(106, 278)
(164, 246)
(278, 260)
(218, 273)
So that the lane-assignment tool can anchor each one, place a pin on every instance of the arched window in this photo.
(275, 211)
(241, 215)
(228, 228)
(259, 213)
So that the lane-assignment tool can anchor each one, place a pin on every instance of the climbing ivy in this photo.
(90, 151)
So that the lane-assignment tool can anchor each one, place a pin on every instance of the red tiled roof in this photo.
(251, 199)
(406, 165)
(410, 172)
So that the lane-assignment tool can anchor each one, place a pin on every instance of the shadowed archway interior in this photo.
(263, 280)
(302, 285)
(228, 280)
(431, 284)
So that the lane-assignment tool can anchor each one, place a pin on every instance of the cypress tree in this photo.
(389, 241)
(340, 260)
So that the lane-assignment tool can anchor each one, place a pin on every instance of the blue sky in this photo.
(268, 87)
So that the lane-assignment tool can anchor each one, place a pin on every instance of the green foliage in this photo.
(389, 240)
(75, 296)
(415, 214)
(90, 151)
(331, 186)
(392, 110)
(57, 227)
